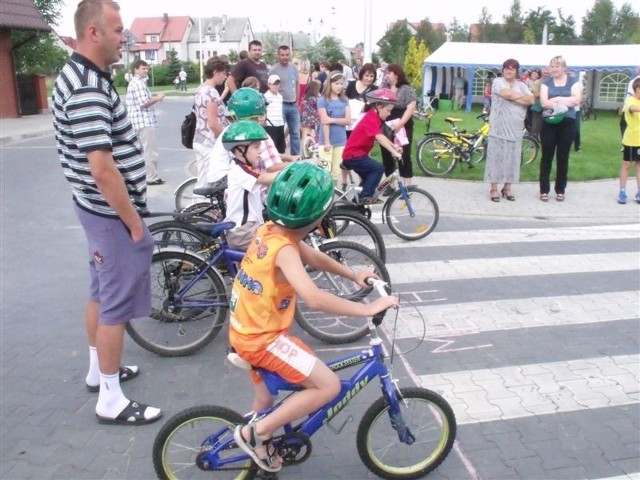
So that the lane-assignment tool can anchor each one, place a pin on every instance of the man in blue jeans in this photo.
(363, 138)
(289, 90)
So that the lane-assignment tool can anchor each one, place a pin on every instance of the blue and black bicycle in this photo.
(404, 434)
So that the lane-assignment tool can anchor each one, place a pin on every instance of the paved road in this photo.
(532, 330)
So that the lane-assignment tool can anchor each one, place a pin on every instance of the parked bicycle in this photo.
(439, 152)
(189, 298)
(410, 212)
(586, 109)
(404, 434)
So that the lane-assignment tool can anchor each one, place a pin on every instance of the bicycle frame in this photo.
(373, 365)
(230, 256)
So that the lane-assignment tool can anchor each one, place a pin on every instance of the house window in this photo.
(150, 54)
(613, 87)
(152, 39)
(197, 54)
(212, 38)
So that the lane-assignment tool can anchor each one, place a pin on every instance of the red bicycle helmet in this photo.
(382, 95)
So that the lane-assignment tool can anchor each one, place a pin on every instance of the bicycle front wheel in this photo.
(188, 306)
(430, 420)
(414, 218)
(336, 329)
(184, 195)
(530, 149)
(181, 442)
(351, 226)
(436, 155)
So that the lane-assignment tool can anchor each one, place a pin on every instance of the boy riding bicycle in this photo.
(362, 140)
(263, 303)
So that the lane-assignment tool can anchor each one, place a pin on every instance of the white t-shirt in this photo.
(244, 195)
(274, 108)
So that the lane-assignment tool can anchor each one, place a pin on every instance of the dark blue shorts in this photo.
(119, 268)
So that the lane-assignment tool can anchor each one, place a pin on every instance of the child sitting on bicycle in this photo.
(263, 303)
(246, 186)
(246, 104)
(362, 140)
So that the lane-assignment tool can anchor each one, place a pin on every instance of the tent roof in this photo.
(578, 57)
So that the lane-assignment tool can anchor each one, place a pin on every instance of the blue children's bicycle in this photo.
(404, 434)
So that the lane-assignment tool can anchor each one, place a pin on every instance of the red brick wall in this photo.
(9, 107)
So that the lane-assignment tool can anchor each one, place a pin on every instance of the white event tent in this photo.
(475, 60)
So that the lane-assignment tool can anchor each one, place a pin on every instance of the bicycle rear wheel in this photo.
(436, 155)
(429, 418)
(331, 328)
(181, 441)
(530, 149)
(175, 233)
(404, 223)
(181, 325)
(349, 225)
(184, 194)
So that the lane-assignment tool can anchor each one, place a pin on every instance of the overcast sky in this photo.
(345, 19)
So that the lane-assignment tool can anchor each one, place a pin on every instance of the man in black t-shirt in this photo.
(250, 67)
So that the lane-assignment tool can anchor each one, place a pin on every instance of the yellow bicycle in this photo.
(439, 152)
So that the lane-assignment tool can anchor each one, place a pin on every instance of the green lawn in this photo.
(599, 157)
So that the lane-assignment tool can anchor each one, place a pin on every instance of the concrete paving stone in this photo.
(509, 407)
(511, 446)
(529, 395)
(552, 455)
(529, 468)
(630, 466)
(581, 389)
(564, 400)
(494, 387)
(23, 470)
(565, 473)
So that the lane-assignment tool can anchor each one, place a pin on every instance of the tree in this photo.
(393, 45)
(457, 32)
(489, 32)
(38, 52)
(413, 61)
(428, 35)
(173, 64)
(598, 24)
(329, 49)
(513, 28)
(627, 25)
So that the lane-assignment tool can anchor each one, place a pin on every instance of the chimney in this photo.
(165, 18)
(224, 20)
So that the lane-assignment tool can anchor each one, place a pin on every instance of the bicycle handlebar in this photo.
(381, 288)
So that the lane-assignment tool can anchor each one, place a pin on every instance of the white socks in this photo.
(111, 400)
(93, 376)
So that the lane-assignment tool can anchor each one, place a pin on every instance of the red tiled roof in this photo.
(22, 15)
(171, 31)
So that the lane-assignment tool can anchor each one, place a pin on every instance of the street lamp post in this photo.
(313, 33)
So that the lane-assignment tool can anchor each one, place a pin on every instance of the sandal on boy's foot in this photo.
(269, 463)
(128, 372)
(544, 197)
(560, 197)
(133, 414)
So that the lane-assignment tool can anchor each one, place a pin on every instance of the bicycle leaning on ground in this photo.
(189, 298)
(439, 152)
(410, 212)
(404, 434)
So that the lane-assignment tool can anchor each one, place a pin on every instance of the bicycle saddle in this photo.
(212, 188)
